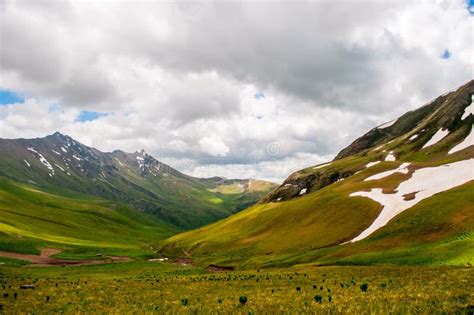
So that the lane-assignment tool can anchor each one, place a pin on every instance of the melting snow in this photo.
(303, 191)
(64, 150)
(320, 166)
(469, 110)
(27, 164)
(56, 152)
(141, 162)
(403, 168)
(387, 124)
(424, 183)
(45, 162)
(370, 164)
(120, 162)
(468, 141)
(390, 157)
(76, 157)
(440, 134)
(379, 147)
(413, 137)
(42, 160)
(62, 169)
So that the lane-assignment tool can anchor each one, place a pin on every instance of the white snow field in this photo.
(390, 157)
(370, 164)
(468, 110)
(387, 124)
(403, 168)
(424, 183)
(468, 141)
(440, 134)
(321, 166)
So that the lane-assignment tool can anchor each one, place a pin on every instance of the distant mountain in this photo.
(400, 194)
(61, 165)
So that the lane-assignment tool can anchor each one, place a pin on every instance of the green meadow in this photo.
(154, 287)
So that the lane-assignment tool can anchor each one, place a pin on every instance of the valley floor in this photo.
(144, 287)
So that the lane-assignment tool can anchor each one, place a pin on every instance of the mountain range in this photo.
(57, 189)
(400, 194)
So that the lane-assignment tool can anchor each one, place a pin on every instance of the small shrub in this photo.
(364, 287)
(298, 289)
(184, 302)
(243, 299)
(318, 298)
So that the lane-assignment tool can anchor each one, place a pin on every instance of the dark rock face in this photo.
(295, 184)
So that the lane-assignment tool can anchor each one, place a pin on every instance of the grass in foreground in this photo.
(167, 288)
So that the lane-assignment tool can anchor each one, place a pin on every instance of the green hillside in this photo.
(312, 217)
(31, 219)
(60, 165)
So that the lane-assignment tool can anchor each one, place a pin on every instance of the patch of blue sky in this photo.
(9, 97)
(446, 54)
(259, 95)
(470, 6)
(86, 115)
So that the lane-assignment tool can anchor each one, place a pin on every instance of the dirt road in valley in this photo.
(45, 259)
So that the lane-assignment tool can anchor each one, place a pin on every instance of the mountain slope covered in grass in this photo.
(31, 219)
(60, 165)
(400, 194)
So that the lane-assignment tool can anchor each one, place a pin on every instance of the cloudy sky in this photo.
(237, 89)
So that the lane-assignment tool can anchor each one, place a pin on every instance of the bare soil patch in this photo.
(45, 259)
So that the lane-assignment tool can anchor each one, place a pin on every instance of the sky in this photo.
(237, 89)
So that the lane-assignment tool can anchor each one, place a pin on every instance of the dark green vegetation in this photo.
(141, 287)
(311, 216)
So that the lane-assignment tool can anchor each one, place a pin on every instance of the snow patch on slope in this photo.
(469, 110)
(438, 136)
(303, 191)
(321, 166)
(403, 168)
(413, 137)
(468, 141)
(58, 166)
(42, 160)
(390, 157)
(27, 164)
(387, 124)
(424, 183)
(370, 164)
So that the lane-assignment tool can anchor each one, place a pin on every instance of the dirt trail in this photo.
(45, 259)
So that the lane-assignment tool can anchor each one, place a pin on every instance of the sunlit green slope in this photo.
(311, 217)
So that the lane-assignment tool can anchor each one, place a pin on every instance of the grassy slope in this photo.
(31, 218)
(182, 201)
(306, 228)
